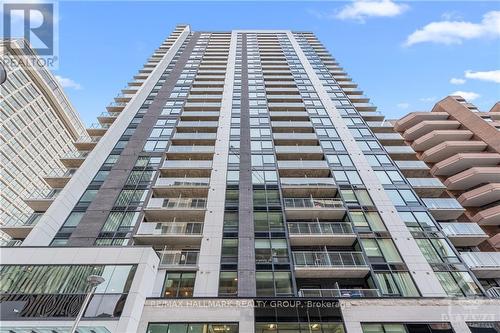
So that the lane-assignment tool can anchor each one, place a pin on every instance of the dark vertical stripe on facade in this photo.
(95, 217)
(246, 236)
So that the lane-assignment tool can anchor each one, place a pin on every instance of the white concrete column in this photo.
(207, 277)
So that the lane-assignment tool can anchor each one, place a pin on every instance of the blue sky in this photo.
(402, 54)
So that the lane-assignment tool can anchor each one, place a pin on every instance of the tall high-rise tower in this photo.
(236, 186)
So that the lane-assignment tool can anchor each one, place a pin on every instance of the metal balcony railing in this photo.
(313, 203)
(170, 258)
(493, 292)
(339, 293)
(328, 259)
(59, 172)
(175, 203)
(170, 228)
(319, 228)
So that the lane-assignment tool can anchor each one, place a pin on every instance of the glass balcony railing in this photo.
(317, 182)
(191, 149)
(170, 228)
(328, 259)
(419, 165)
(442, 203)
(425, 182)
(187, 164)
(109, 114)
(75, 154)
(186, 182)
(59, 172)
(99, 126)
(463, 229)
(178, 258)
(176, 203)
(319, 228)
(339, 293)
(481, 260)
(303, 164)
(13, 221)
(313, 203)
(42, 194)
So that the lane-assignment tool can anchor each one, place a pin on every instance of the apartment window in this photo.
(329, 132)
(396, 283)
(381, 248)
(458, 284)
(131, 198)
(378, 160)
(261, 177)
(367, 220)
(268, 221)
(88, 196)
(271, 251)
(229, 252)
(351, 177)
(402, 197)
(179, 284)
(389, 177)
(192, 328)
(369, 145)
(153, 145)
(339, 160)
(262, 160)
(266, 198)
(228, 283)
(407, 328)
(120, 221)
(357, 197)
(335, 145)
(418, 221)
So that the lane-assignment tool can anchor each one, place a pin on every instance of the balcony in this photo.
(58, 178)
(339, 293)
(401, 152)
(460, 162)
(321, 233)
(481, 196)
(390, 139)
(444, 208)
(464, 234)
(371, 115)
(286, 106)
(381, 126)
(20, 229)
(117, 106)
(292, 126)
(306, 187)
(306, 168)
(168, 209)
(178, 260)
(427, 126)
(171, 233)
(186, 187)
(413, 168)
(190, 152)
(365, 106)
(97, 129)
(40, 200)
(415, 118)
(427, 187)
(204, 106)
(302, 152)
(439, 136)
(289, 116)
(200, 115)
(189, 138)
(197, 126)
(294, 138)
(86, 143)
(485, 265)
(449, 148)
(74, 159)
(186, 168)
(314, 208)
(473, 177)
(329, 264)
(107, 117)
(488, 217)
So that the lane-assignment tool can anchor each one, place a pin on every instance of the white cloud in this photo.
(493, 76)
(427, 99)
(68, 83)
(468, 95)
(455, 80)
(403, 105)
(359, 10)
(455, 32)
